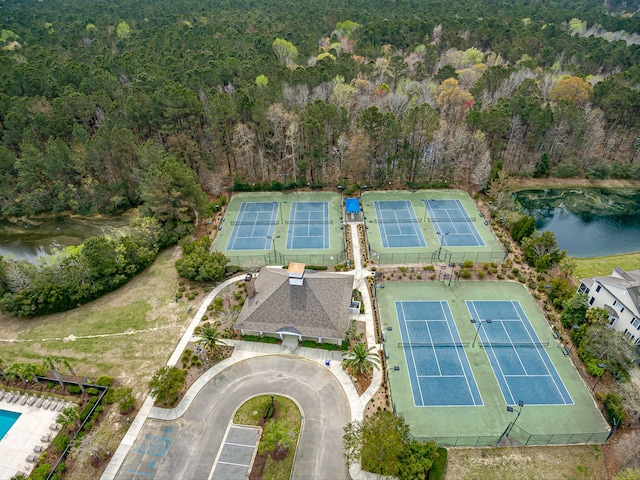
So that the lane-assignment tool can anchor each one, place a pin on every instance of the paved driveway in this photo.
(187, 447)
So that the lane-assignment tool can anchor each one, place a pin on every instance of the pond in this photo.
(29, 239)
(587, 222)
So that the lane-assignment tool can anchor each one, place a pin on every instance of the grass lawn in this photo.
(127, 334)
(249, 414)
(601, 266)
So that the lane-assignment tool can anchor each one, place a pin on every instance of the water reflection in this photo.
(587, 222)
(32, 238)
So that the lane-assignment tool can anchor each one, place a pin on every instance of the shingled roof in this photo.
(318, 308)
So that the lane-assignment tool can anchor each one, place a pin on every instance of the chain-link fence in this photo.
(255, 262)
(439, 255)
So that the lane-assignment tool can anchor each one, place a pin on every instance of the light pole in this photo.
(441, 236)
(363, 187)
(479, 322)
(510, 409)
(273, 242)
(604, 369)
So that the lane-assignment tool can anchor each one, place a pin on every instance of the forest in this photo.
(109, 105)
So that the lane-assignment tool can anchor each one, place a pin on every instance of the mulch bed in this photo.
(257, 469)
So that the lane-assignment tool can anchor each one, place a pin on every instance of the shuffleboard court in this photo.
(518, 358)
(308, 226)
(438, 367)
(453, 224)
(253, 228)
(398, 224)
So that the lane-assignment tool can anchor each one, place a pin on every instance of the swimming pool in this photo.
(7, 419)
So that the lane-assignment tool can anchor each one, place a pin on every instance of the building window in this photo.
(598, 288)
(612, 320)
(583, 288)
(638, 341)
(618, 306)
(592, 300)
(628, 335)
(636, 323)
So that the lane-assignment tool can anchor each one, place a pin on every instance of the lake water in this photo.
(32, 238)
(587, 222)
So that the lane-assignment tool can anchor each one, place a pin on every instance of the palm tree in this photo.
(69, 416)
(68, 366)
(50, 362)
(360, 359)
(2, 369)
(210, 336)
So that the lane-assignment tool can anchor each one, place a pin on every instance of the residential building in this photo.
(619, 295)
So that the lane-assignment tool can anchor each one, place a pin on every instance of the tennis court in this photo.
(308, 225)
(253, 228)
(517, 356)
(452, 222)
(438, 367)
(433, 320)
(398, 224)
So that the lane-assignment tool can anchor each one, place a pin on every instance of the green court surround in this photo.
(483, 425)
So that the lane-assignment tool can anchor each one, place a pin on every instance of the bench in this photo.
(565, 350)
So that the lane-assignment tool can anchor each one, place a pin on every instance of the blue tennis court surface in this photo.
(398, 224)
(519, 360)
(440, 375)
(308, 225)
(453, 224)
(253, 229)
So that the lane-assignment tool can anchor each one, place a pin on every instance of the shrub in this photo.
(251, 338)
(468, 264)
(93, 391)
(127, 401)
(270, 340)
(309, 344)
(613, 408)
(480, 274)
(61, 442)
(41, 472)
(104, 381)
(88, 426)
(466, 274)
(85, 411)
(73, 389)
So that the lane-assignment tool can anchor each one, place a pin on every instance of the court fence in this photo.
(438, 255)
(254, 262)
(521, 436)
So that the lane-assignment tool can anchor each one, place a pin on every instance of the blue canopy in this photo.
(352, 205)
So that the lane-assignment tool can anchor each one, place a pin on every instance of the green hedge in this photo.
(439, 465)
(73, 389)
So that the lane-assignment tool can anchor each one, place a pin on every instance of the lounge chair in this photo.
(54, 426)
(40, 401)
(2, 393)
(16, 397)
(47, 402)
(45, 438)
(24, 399)
(32, 399)
(9, 396)
(32, 458)
(61, 405)
(38, 449)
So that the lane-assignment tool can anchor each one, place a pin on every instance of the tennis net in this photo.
(396, 220)
(452, 219)
(254, 222)
(478, 343)
(309, 222)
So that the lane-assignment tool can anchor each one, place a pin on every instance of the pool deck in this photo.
(27, 433)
